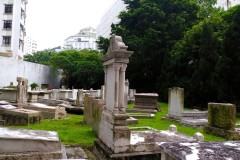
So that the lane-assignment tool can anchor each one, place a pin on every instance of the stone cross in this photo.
(22, 88)
(114, 132)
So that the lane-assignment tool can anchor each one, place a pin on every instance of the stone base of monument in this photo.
(51, 102)
(72, 109)
(48, 112)
(143, 145)
(194, 123)
(3, 108)
(133, 110)
(21, 117)
(228, 134)
(194, 118)
(141, 115)
(29, 144)
(132, 120)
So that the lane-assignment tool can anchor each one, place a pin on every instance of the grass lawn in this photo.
(72, 132)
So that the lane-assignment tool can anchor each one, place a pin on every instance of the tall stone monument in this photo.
(114, 132)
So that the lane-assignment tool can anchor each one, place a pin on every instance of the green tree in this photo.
(202, 81)
(150, 28)
(41, 57)
(103, 44)
(228, 67)
(81, 69)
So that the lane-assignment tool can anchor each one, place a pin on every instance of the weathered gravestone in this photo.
(175, 102)
(80, 98)
(192, 118)
(97, 111)
(114, 132)
(55, 94)
(222, 120)
(146, 101)
(22, 88)
(29, 144)
(88, 110)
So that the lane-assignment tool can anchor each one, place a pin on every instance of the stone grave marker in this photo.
(175, 102)
(22, 88)
(222, 120)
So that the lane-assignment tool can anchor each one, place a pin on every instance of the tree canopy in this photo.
(81, 69)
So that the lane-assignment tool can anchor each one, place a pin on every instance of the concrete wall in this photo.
(10, 69)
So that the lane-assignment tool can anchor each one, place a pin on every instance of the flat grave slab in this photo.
(14, 141)
(195, 123)
(21, 116)
(48, 112)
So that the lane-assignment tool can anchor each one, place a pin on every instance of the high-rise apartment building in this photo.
(111, 17)
(30, 45)
(85, 39)
(226, 4)
(12, 26)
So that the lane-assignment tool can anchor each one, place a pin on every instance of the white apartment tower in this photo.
(110, 17)
(12, 26)
(226, 4)
(85, 39)
(30, 45)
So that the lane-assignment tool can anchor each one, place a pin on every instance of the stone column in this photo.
(116, 93)
(121, 88)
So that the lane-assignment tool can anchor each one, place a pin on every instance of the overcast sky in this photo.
(49, 22)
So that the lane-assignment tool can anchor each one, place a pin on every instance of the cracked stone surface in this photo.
(203, 150)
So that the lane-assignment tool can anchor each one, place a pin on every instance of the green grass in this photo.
(158, 123)
(70, 131)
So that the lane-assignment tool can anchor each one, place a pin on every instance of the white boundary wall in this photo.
(10, 69)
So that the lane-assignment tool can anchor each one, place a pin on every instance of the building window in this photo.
(7, 25)
(6, 40)
(8, 8)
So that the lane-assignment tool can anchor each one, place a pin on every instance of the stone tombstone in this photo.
(114, 132)
(175, 102)
(22, 88)
(74, 93)
(222, 115)
(88, 107)
(146, 100)
(97, 111)
(55, 94)
(80, 98)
